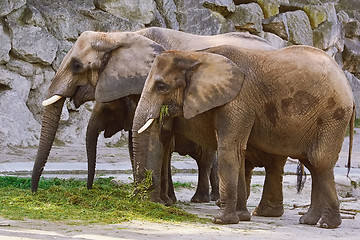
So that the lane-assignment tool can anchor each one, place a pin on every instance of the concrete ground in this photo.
(70, 161)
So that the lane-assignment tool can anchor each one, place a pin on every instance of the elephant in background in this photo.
(110, 66)
(292, 102)
(114, 116)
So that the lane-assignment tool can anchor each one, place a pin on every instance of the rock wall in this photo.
(36, 34)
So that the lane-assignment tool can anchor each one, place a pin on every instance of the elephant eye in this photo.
(161, 87)
(76, 65)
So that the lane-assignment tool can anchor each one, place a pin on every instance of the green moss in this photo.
(357, 124)
(270, 8)
(316, 15)
(69, 200)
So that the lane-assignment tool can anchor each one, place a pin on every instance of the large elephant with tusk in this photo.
(293, 102)
(109, 66)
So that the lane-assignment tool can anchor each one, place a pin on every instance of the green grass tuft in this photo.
(357, 122)
(178, 185)
(164, 112)
(59, 199)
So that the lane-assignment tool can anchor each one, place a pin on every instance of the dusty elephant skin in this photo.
(291, 102)
(109, 67)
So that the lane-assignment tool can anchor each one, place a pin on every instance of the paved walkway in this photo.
(70, 161)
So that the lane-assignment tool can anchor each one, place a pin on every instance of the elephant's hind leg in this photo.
(330, 217)
(271, 204)
(324, 201)
(312, 216)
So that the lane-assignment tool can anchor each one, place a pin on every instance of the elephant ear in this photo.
(127, 67)
(213, 82)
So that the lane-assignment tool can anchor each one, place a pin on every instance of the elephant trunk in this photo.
(147, 152)
(92, 134)
(49, 126)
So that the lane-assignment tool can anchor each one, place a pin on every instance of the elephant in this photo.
(294, 102)
(117, 115)
(109, 66)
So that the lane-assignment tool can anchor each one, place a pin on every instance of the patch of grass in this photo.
(164, 112)
(357, 125)
(178, 185)
(118, 144)
(357, 122)
(59, 199)
(59, 143)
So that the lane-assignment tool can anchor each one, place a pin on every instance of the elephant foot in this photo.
(265, 210)
(157, 200)
(244, 215)
(330, 221)
(200, 198)
(173, 197)
(226, 218)
(214, 196)
(167, 201)
(311, 217)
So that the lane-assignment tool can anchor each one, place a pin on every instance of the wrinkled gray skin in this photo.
(110, 66)
(292, 102)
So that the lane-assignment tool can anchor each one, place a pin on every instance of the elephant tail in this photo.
(351, 138)
(301, 177)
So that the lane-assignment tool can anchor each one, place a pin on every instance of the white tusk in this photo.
(146, 125)
(51, 100)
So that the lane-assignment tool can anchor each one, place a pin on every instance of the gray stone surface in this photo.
(5, 46)
(167, 10)
(34, 44)
(351, 55)
(299, 28)
(14, 82)
(277, 25)
(355, 86)
(329, 33)
(248, 17)
(196, 19)
(18, 127)
(352, 29)
(291, 26)
(224, 7)
(35, 36)
(7, 6)
(141, 11)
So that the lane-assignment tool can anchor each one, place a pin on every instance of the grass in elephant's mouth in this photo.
(60, 199)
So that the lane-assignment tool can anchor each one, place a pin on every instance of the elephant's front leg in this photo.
(231, 166)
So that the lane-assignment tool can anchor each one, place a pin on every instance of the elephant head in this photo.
(186, 84)
(100, 66)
